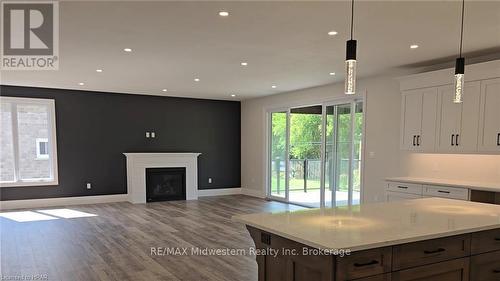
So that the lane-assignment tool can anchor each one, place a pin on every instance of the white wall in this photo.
(382, 131)
(467, 167)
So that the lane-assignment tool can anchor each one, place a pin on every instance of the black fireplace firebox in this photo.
(165, 184)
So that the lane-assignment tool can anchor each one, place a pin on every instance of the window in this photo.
(42, 148)
(28, 155)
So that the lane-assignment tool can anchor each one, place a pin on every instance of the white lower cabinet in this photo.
(396, 191)
(397, 196)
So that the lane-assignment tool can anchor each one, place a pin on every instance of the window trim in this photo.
(52, 139)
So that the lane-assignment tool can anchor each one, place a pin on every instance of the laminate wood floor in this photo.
(116, 243)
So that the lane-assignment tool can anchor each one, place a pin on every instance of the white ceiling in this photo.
(285, 44)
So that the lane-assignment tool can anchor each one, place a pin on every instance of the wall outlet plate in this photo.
(89, 185)
(209, 180)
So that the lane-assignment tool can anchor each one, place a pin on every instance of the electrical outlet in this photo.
(153, 134)
(89, 185)
(209, 180)
(147, 134)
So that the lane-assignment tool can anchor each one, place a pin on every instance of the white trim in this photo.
(253, 192)
(52, 139)
(62, 201)
(219, 191)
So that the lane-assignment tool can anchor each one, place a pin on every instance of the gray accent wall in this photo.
(94, 129)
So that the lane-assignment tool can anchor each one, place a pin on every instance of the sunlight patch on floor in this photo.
(44, 215)
(66, 213)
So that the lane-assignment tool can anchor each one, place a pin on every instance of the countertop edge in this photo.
(356, 248)
(444, 183)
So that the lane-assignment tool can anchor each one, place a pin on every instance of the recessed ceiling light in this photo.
(128, 50)
(332, 33)
(244, 63)
(332, 73)
(414, 46)
(273, 86)
(81, 83)
(196, 79)
(98, 70)
(223, 13)
(233, 95)
(164, 90)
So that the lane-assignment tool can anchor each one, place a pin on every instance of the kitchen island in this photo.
(429, 239)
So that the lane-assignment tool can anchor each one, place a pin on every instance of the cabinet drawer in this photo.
(405, 187)
(485, 241)
(430, 251)
(485, 267)
(364, 264)
(454, 270)
(381, 277)
(397, 196)
(446, 192)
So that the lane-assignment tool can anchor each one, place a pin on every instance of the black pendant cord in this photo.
(462, 28)
(352, 17)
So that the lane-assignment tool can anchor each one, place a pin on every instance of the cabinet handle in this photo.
(498, 139)
(414, 140)
(366, 263)
(497, 238)
(452, 136)
(456, 139)
(443, 191)
(496, 270)
(402, 187)
(434, 251)
(418, 140)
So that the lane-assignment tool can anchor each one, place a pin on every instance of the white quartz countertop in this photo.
(486, 186)
(376, 225)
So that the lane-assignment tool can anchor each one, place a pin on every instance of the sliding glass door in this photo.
(315, 154)
(304, 176)
(278, 153)
(344, 129)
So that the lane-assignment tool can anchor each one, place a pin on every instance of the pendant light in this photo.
(350, 60)
(460, 65)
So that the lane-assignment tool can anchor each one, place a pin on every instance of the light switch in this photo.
(147, 134)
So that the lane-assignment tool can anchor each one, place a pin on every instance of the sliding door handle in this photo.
(452, 141)
(456, 139)
(414, 140)
(498, 139)
(418, 140)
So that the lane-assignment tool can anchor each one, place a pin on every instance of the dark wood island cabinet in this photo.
(472, 255)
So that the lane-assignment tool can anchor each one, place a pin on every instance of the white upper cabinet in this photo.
(489, 125)
(418, 131)
(431, 122)
(458, 122)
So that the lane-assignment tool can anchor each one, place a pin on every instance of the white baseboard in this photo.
(62, 201)
(253, 192)
(217, 192)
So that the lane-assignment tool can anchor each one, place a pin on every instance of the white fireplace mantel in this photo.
(136, 172)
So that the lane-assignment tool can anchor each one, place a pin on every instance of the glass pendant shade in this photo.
(350, 77)
(459, 80)
(350, 68)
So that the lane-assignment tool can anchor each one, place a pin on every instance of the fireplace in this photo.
(165, 184)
